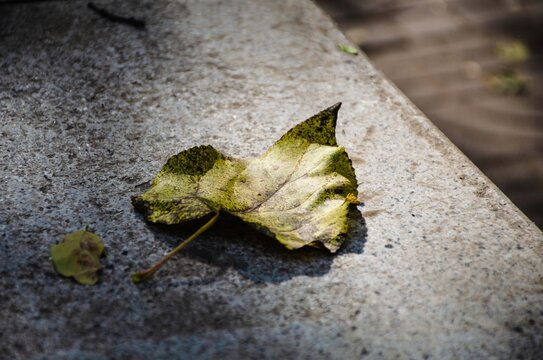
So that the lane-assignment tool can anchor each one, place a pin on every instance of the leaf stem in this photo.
(142, 275)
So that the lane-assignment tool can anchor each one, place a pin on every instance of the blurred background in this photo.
(474, 67)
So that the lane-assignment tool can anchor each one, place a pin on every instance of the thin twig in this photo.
(137, 23)
(142, 275)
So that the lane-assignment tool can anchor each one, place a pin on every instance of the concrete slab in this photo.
(444, 266)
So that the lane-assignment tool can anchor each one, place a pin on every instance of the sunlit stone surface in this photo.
(444, 266)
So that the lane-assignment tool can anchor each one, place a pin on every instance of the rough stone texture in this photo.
(443, 267)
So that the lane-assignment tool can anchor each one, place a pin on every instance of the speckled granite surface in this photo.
(442, 267)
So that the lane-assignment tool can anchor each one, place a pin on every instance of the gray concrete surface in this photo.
(444, 266)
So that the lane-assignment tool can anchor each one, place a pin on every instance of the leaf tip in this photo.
(352, 199)
(318, 129)
(332, 246)
(334, 108)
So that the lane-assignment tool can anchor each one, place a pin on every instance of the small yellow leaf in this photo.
(513, 51)
(348, 49)
(78, 256)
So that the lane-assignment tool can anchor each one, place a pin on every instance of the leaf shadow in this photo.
(255, 256)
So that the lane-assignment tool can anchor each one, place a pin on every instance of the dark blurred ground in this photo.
(474, 68)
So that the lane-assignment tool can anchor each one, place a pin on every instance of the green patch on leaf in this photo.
(348, 49)
(78, 256)
(299, 191)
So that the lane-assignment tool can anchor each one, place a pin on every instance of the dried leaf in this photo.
(78, 256)
(299, 191)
